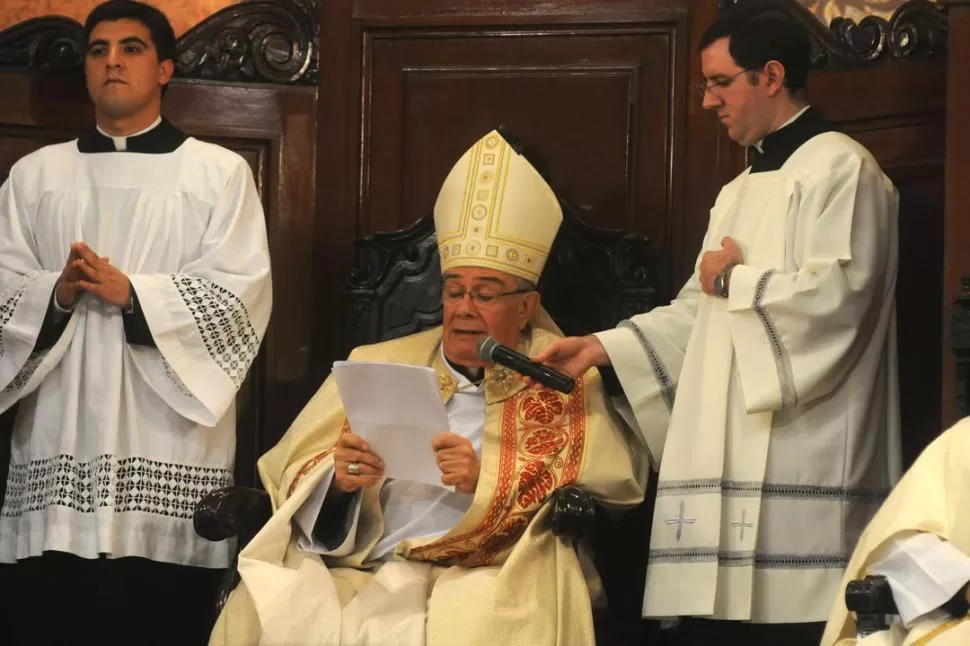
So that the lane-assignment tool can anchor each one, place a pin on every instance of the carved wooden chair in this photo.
(871, 600)
(594, 278)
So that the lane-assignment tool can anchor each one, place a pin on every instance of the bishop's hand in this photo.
(457, 460)
(101, 277)
(355, 465)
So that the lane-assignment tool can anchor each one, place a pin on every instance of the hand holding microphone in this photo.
(490, 350)
(573, 355)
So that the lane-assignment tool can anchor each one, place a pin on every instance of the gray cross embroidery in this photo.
(742, 524)
(680, 521)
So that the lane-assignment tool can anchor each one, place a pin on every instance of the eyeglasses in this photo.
(482, 298)
(715, 85)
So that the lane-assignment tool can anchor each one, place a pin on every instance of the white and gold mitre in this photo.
(495, 210)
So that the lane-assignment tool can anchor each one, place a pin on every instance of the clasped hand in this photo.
(86, 271)
(454, 454)
(712, 262)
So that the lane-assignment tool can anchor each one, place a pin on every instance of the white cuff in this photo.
(57, 306)
(924, 573)
(306, 517)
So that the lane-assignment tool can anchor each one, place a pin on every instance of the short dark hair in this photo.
(163, 36)
(757, 37)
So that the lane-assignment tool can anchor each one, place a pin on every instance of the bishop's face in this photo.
(481, 302)
(736, 94)
(124, 75)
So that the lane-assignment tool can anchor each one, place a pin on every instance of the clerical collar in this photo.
(159, 138)
(121, 143)
(778, 146)
(791, 120)
(463, 375)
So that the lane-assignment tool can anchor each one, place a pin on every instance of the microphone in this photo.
(491, 350)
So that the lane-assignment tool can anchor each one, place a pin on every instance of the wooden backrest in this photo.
(594, 278)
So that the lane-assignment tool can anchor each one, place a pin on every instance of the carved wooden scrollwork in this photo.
(395, 285)
(259, 41)
(916, 28)
(595, 278)
(49, 43)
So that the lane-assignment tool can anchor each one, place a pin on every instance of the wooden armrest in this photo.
(225, 512)
(871, 599)
(573, 513)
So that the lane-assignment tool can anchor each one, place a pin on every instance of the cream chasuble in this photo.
(499, 576)
(932, 497)
(773, 413)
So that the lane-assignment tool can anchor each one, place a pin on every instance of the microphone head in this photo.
(486, 347)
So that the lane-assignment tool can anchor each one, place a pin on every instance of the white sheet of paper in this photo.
(398, 410)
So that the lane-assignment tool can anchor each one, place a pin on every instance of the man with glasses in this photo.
(766, 390)
(352, 557)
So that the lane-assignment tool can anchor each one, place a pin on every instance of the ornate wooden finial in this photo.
(916, 28)
(257, 41)
(254, 41)
(50, 43)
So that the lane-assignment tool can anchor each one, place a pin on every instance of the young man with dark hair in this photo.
(754, 41)
(159, 28)
(134, 294)
(767, 389)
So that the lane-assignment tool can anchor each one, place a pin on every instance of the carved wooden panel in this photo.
(543, 86)
(590, 88)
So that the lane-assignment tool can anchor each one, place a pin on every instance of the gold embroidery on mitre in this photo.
(495, 210)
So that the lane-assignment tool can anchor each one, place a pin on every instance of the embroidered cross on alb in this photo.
(742, 524)
(680, 521)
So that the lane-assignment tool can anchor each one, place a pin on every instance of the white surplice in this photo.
(114, 442)
(774, 412)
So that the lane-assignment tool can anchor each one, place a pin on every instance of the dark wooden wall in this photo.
(898, 112)
(956, 258)
(597, 91)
